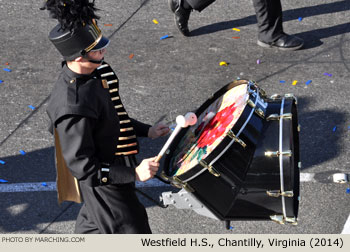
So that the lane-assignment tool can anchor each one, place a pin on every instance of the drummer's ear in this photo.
(79, 59)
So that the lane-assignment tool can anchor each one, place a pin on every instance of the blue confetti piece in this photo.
(348, 190)
(300, 18)
(282, 81)
(231, 228)
(308, 82)
(22, 152)
(1, 81)
(7, 70)
(2, 162)
(164, 37)
(43, 184)
(3, 181)
(328, 74)
(335, 128)
(31, 107)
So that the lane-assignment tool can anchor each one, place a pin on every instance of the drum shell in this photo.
(263, 175)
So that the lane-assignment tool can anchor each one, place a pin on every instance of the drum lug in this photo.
(260, 113)
(251, 103)
(280, 219)
(164, 176)
(278, 193)
(291, 96)
(180, 184)
(234, 137)
(278, 117)
(210, 168)
(277, 153)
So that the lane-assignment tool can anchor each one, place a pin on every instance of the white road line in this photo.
(346, 229)
(51, 186)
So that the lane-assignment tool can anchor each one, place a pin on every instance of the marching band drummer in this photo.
(95, 140)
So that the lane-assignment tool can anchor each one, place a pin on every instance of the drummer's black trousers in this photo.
(111, 209)
(268, 15)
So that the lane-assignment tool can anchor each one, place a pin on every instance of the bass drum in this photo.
(231, 159)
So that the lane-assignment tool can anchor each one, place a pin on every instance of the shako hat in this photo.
(77, 32)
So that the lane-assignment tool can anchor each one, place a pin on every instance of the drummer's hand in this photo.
(158, 130)
(147, 169)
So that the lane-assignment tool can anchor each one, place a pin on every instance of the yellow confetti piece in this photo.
(236, 29)
(223, 63)
(155, 21)
(294, 82)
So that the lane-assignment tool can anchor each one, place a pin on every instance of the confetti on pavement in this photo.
(7, 70)
(1, 81)
(164, 37)
(328, 74)
(308, 82)
(3, 181)
(44, 184)
(236, 37)
(300, 18)
(236, 29)
(294, 82)
(108, 24)
(258, 62)
(155, 21)
(334, 128)
(2, 162)
(348, 190)
(22, 152)
(7, 64)
(223, 63)
(131, 56)
(31, 107)
(282, 81)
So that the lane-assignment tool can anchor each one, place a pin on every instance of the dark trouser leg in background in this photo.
(270, 28)
(182, 10)
(269, 17)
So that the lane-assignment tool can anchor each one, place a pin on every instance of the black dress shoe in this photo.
(181, 16)
(286, 43)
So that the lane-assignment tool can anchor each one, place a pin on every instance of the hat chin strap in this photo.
(91, 60)
(96, 61)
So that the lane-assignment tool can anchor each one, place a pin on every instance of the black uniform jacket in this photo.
(88, 128)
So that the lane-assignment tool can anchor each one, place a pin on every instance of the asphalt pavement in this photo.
(162, 78)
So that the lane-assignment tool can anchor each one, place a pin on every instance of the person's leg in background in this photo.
(270, 28)
(182, 10)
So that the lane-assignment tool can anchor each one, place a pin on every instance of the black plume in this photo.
(71, 14)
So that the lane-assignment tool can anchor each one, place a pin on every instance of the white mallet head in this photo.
(188, 120)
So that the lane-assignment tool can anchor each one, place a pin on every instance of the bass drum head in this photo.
(214, 120)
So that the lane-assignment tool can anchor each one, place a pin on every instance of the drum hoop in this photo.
(257, 98)
(284, 211)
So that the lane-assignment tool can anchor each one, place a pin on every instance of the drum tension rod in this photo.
(237, 139)
(278, 193)
(257, 110)
(210, 168)
(280, 219)
(278, 153)
(278, 117)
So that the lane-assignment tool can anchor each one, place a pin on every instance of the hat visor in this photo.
(103, 43)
